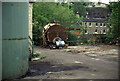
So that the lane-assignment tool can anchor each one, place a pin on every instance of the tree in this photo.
(114, 18)
(44, 12)
(114, 31)
(80, 7)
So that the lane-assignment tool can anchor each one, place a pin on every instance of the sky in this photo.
(103, 1)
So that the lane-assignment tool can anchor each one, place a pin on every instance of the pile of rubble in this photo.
(82, 49)
(100, 49)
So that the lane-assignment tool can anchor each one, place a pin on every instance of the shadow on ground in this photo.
(42, 68)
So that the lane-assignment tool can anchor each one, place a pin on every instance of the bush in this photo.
(72, 38)
(108, 38)
(77, 39)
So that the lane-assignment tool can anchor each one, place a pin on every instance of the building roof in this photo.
(77, 24)
(95, 20)
(97, 12)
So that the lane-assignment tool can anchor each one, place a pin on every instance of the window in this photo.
(96, 24)
(86, 24)
(100, 24)
(96, 30)
(86, 32)
(104, 25)
(104, 31)
(90, 25)
(110, 25)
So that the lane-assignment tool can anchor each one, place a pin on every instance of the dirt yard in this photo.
(75, 62)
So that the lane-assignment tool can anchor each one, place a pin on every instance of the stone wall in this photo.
(30, 24)
(30, 19)
(93, 27)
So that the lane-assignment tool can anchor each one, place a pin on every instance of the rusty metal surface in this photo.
(56, 31)
(15, 38)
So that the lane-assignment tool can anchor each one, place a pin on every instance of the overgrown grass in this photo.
(38, 54)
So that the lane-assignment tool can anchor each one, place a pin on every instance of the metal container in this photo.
(56, 31)
(53, 31)
(15, 51)
(0, 40)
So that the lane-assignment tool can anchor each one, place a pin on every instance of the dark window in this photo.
(85, 31)
(96, 30)
(104, 24)
(110, 25)
(89, 24)
(100, 24)
(96, 24)
(104, 31)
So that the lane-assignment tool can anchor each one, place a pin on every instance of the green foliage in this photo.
(80, 7)
(36, 54)
(72, 37)
(114, 31)
(43, 57)
(44, 12)
(114, 18)
(81, 38)
(108, 38)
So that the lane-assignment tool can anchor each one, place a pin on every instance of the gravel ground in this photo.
(75, 62)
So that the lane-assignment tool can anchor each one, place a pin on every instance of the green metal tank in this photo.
(0, 40)
(15, 50)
